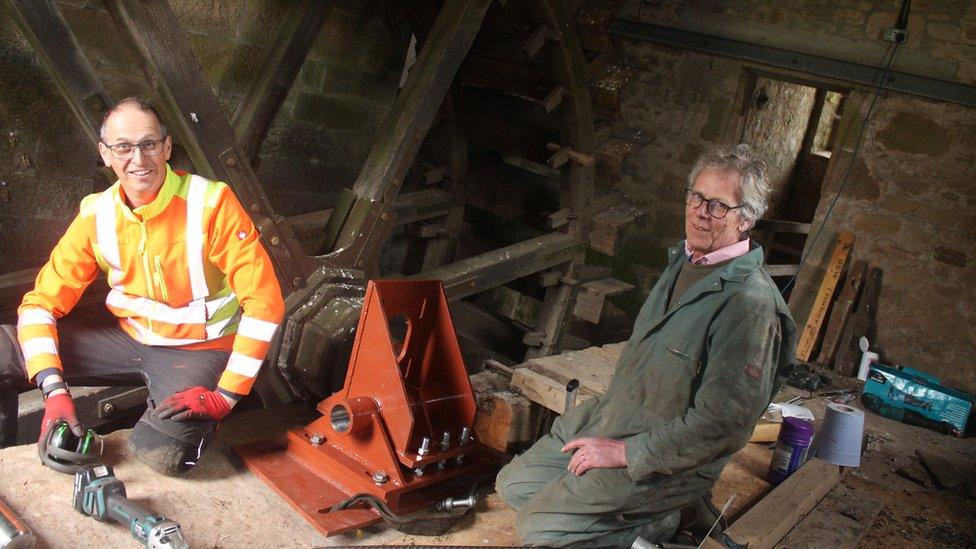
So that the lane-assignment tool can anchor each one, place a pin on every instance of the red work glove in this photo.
(60, 408)
(194, 403)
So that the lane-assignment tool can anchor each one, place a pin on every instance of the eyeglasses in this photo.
(716, 209)
(124, 151)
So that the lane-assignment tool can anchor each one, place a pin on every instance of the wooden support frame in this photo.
(197, 118)
(277, 74)
(568, 69)
(361, 238)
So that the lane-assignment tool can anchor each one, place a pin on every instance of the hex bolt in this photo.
(424, 447)
(316, 439)
(419, 471)
(445, 445)
(275, 241)
(380, 478)
(108, 409)
(465, 435)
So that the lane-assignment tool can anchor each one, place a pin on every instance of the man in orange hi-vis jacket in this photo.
(193, 290)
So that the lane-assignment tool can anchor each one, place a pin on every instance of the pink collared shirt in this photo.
(731, 251)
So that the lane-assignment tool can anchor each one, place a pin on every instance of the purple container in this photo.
(791, 449)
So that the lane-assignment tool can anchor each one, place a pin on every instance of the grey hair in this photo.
(132, 101)
(750, 170)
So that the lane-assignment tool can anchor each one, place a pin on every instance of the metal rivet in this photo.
(255, 207)
(384, 216)
(231, 161)
(275, 241)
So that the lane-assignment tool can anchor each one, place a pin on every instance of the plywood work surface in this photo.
(218, 504)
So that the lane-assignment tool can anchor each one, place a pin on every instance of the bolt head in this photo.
(379, 477)
(316, 439)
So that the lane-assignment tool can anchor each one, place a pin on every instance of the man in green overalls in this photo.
(710, 347)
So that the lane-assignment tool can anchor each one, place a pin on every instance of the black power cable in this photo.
(879, 87)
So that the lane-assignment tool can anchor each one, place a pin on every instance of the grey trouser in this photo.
(97, 354)
(601, 508)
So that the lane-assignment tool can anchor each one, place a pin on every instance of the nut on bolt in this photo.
(379, 477)
(316, 439)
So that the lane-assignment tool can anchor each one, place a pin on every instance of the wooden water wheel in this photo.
(483, 170)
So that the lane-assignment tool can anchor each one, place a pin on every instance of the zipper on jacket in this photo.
(147, 272)
(160, 279)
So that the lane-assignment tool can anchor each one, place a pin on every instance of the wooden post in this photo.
(841, 311)
(835, 267)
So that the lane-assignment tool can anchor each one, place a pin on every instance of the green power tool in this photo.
(99, 494)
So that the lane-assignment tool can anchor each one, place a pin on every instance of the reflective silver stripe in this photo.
(39, 346)
(257, 329)
(214, 305)
(243, 365)
(30, 317)
(194, 313)
(215, 329)
(108, 241)
(195, 200)
(150, 338)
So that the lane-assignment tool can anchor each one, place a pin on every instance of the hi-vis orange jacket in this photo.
(187, 269)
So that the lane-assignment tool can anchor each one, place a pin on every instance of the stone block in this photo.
(949, 256)
(968, 34)
(943, 31)
(340, 80)
(883, 225)
(102, 43)
(213, 17)
(849, 16)
(862, 185)
(914, 134)
(311, 75)
(340, 113)
(262, 20)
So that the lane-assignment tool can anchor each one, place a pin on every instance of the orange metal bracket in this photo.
(400, 427)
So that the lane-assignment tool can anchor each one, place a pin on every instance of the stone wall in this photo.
(909, 197)
(910, 203)
(315, 147)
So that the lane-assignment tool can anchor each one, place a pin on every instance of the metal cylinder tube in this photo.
(14, 534)
(352, 416)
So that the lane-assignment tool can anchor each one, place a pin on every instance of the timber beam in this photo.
(58, 50)
(198, 119)
(277, 74)
(362, 237)
(488, 270)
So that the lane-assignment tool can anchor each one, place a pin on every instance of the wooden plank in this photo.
(494, 268)
(607, 225)
(443, 249)
(593, 367)
(545, 391)
(842, 310)
(781, 270)
(593, 294)
(774, 515)
(610, 160)
(860, 324)
(445, 47)
(275, 77)
(811, 331)
(511, 78)
(197, 118)
(841, 519)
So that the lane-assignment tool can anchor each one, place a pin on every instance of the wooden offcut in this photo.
(841, 311)
(781, 509)
(811, 332)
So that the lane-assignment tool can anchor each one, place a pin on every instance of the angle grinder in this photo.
(98, 493)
